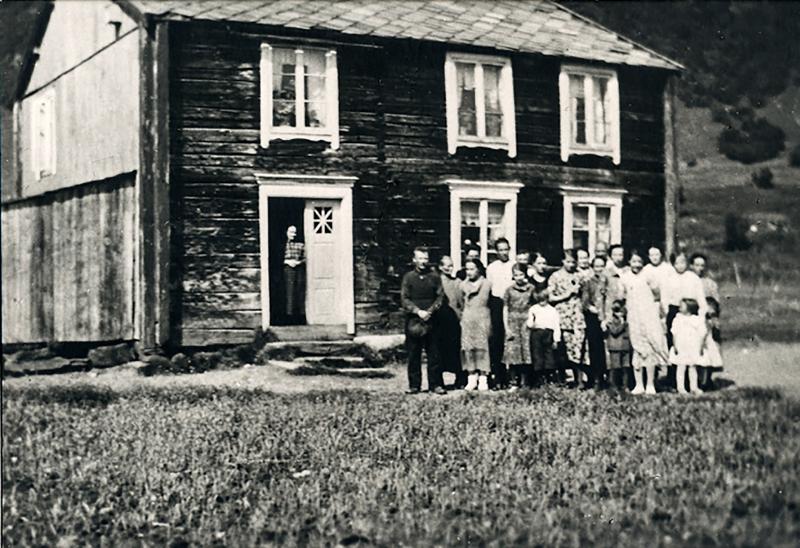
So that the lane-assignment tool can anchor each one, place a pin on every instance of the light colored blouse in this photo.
(545, 317)
(685, 286)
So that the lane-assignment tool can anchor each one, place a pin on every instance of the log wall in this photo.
(393, 138)
(68, 264)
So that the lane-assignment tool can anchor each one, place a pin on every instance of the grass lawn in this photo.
(157, 465)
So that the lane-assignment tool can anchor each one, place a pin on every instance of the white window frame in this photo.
(330, 132)
(593, 198)
(508, 139)
(568, 147)
(44, 165)
(483, 191)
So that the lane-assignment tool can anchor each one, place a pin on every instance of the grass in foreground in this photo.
(549, 467)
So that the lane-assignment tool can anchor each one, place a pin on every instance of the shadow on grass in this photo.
(87, 396)
(310, 370)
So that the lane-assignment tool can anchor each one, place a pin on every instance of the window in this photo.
(299, 95)
(589, 100)
(591, 217)
(480, 102)
(482, 212)
(322, 220)
(43, 124)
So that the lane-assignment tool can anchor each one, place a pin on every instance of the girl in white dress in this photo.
(689, 334)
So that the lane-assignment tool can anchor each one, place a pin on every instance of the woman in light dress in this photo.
(648, 338)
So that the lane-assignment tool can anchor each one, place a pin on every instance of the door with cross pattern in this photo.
(322, 232)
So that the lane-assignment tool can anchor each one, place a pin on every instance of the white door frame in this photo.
(323, 187)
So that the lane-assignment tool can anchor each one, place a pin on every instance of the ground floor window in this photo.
(591, 217)
(480, 213)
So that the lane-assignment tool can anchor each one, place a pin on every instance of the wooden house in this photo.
(164, 147)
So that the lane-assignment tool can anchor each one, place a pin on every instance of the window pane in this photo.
(494, 114)
(601, 128)
(603, 216)
(283, 87)
(578, 109)
(580, 217)
(314, 67)
(497, 222)
(467, 123)
(580, 239)
(470, 225)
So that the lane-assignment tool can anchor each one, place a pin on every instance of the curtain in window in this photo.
(283, 88)
(467, 119)
(603, 224)
(578, 109)
(314, 103)
(601, 110)
(580, 227)
(494, 113)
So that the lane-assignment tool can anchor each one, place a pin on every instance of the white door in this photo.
(323, 232)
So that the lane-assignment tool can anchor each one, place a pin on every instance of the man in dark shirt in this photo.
(421, 296)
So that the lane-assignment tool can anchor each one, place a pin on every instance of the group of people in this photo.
(605, 321)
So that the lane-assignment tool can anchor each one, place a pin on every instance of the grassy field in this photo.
(87, 464)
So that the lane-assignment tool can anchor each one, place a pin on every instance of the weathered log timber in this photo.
(385, 163)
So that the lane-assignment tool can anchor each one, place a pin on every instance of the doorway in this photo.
(283, 213)
(321, 208)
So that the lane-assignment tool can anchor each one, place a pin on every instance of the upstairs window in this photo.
(43, 139)
(480, 102)
(589, 100)
(299, 95)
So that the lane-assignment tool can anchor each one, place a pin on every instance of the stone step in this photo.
(289, 350)
(310, 332)
(338, 362)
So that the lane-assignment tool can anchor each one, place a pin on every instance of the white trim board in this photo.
(308, 187)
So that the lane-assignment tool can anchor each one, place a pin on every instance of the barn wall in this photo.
(96, 115)
(8, 171)
(68, 264)
(393, 138)
(76, 30)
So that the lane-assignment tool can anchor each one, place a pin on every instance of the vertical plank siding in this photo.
(68, 264)
(394, 139)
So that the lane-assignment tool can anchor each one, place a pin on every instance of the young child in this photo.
(545, 335)
(618, 344)
(689, 334)
(517, 300)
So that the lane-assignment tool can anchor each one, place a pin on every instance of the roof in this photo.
(534, 26)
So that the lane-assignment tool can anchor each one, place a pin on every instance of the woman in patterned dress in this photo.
(565, 295)
(476, 325)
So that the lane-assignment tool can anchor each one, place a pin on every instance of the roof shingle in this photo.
(534, 26)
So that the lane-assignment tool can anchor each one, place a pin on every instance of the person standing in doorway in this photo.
(500, 276)
(450, 322)
(294, 277)
(421, 296)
